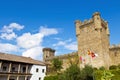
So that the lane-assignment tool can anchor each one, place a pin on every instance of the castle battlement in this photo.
(115, 47)
(86, 22)
(64, 56)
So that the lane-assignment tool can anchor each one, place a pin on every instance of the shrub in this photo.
(118, 66)
(102, 68)
(95, 69)
(88, 72)
(99, 73)
(72, 73)
(55, 77)
(57, 64)
(113, 67)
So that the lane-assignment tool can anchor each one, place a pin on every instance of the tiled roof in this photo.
(21, 59)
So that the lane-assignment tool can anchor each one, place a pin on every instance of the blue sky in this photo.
(27, 26)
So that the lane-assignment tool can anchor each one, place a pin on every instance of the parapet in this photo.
(77, 21)
(114, 47)
(48, 49)
(96, 13)
(85, 22)
(63, 56)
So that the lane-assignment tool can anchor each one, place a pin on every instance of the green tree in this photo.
(87, 73)
(106, 75)
(113, 67)
(72, 73)
(57, 64)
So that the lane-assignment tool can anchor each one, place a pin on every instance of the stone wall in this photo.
(66, 59)
(115, 54)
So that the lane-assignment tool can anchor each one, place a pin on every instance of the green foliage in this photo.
(106, 75)
(95, 69)
(57, 64)
(87, 73)
(116, 74)
(99, 73)
(102, 68)
(113, 67)
(118, 66)
(72, 73)
(55, 77)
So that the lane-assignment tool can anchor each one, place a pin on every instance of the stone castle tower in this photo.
(93, 35)
(47, 53)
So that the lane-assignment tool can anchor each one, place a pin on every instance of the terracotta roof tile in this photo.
(15, 58)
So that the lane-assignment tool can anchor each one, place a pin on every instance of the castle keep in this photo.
(93, 45)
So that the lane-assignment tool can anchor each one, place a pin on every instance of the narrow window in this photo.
(37, 70)
(43, 70)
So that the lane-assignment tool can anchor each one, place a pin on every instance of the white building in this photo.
(14, 67)
(38, 72)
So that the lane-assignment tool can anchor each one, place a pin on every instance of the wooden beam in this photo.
(27, 68)
(26, 77)
(9, 67)
(0, 65)
(19, 66)
(8, 77)
(17, 78)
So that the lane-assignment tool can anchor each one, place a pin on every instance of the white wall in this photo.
(39, 74)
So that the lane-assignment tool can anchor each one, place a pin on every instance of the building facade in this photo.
(14, 67)
(93, 45)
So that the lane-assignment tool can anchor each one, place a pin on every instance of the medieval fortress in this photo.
(93, 45)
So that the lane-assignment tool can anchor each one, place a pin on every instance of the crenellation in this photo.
(86, 22)
(115, 46)
(62, 56)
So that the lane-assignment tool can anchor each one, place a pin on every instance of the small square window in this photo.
(37, 70)
(39, 78)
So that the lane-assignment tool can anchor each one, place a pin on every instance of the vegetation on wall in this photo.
(56, 64)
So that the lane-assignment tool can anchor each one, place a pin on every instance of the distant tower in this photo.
(47, 53)
(93, 35)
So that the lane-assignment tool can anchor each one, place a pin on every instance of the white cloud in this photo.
(28, 40)
(71, 46)
(16, 26)
(32, 43)
(57, 38)
(60, 43)
(48, 31)
(8, 33)
(8, 36)
(11, 27)
(35, 53)
(67, 44)
(6, 47)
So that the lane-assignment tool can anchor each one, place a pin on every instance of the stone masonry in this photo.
(92, 35)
